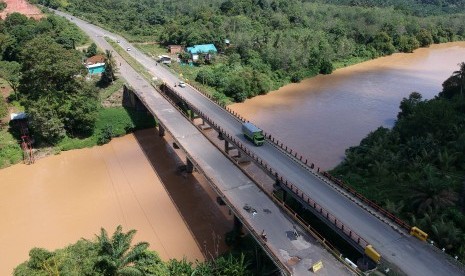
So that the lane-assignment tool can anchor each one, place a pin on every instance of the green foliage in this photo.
(56, 100)
(10, 151)
(91, 50)
(278, 42)
(10, 71)
(2, 5)
(115, 255)
(108, 76)
(417, 168)
(111, 122)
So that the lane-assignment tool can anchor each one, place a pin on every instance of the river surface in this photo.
(322, 116)
(133, 181)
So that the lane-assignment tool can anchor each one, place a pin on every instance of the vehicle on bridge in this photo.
(253, 133)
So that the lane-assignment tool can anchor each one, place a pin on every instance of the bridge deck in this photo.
(228, 180)
(409, 254)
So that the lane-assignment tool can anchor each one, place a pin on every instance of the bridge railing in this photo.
(348, 232)
(311, 166)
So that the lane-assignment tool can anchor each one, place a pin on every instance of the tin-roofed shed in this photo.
(202, 49)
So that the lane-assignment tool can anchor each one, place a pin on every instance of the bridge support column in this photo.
(237, 224)
(226, 146)
(220, 135)
(161, 131)
(284, 195)
(189, 166)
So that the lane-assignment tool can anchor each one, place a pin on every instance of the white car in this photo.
(182, 84)
(128, 49)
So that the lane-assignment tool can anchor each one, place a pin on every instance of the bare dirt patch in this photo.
(21, 6)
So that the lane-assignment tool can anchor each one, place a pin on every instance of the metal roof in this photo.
(204, 48)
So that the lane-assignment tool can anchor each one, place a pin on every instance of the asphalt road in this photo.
(228, 180)
(409, 254)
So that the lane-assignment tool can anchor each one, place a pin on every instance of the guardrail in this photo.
(254, 233)
(311, 166)
(347, 231)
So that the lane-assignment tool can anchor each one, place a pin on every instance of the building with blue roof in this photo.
(202, 49)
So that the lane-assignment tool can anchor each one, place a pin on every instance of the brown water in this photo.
(322, 116)
(62, 198)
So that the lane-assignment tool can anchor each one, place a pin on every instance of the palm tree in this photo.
(432, 193)
(460, 75)
(446, 234)
(116, 257)
(108, 76)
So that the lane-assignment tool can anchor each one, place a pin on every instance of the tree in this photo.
(432, 193)
(116, 257)
(48, 69)
(460, 76)
(407, 105)
(10, 71)
(45, 120)
(54, 94)
(108, 76)
(425, 38)
(91, 50)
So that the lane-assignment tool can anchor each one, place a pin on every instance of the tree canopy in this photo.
(115, 255)
(39, 62)
(273, 42)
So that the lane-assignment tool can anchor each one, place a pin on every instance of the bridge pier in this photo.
(227, 148)
(161, 131)
(220, 135)
(189, 166)
(237, 225)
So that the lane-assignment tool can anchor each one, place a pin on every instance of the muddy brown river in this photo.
(133, 181)
(322, 116)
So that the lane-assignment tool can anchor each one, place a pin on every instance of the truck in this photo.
(253, 133)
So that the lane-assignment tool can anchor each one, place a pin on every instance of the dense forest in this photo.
(116, 255)
(48, 79)
(417, 168)
(273, 42)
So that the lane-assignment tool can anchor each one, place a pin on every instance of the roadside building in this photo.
(174, 49)
(95, 65)
(197, 50)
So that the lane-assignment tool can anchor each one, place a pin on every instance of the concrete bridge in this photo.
(356, 219)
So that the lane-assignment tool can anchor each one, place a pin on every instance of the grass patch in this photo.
(10, 151)
(111, 89)
(151, 49)
(111, 122)
(132, 62)
(349, 62)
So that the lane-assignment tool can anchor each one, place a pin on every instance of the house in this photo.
(95, 59)
(95, 64)
(174, 49)
(196, 50)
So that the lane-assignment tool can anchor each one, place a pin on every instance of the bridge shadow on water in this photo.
(191, 194)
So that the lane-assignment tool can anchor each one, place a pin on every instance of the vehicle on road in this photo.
(253, 133)
(128, 49)
(182, 84)
(117, 41)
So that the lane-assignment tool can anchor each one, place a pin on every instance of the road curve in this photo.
(409, 254)
(229, 181)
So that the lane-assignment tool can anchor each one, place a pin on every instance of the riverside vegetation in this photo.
(115, 255)
(274, 42)
(47, 78)
(417, 168)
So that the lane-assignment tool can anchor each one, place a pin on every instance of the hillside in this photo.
(417, 169)
(273, 42)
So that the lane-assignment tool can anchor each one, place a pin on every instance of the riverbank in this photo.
(324, 115)
(64, 197)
